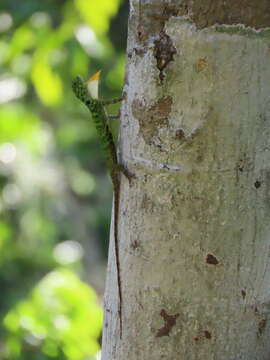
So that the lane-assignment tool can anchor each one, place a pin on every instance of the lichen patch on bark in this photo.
(205, 13)
(152, 118)
(244, 294)
(201, 64)
(150, 29)
(261, 326)
(164, 52)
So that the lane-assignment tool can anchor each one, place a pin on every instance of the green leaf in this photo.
(62, 314)
(97, 14)
(47, 83)
(23, 39)
(5, 233)
(17, 124)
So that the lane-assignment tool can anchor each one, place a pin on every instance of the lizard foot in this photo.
(126, 172)
(112, 117)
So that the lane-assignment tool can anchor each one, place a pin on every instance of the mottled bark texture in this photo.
(195, 222)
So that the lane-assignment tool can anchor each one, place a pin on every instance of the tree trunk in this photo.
(195, 222)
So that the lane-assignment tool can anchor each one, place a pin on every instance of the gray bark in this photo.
(195, 223)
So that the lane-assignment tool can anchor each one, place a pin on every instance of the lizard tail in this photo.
(117, 255)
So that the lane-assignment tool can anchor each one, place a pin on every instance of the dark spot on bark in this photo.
(169, 322)
(199, 158)
(211, 259)
(243, 293)
(179, 134)
(257, 184)
(261, 326)
(134, 244)
(164, 52)
(205, 13)
(152, 118)
(207, 334)
(139, 51)
(169, 10)
(196, 338)
(244, 163)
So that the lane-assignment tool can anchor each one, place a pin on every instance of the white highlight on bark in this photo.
(148, 164)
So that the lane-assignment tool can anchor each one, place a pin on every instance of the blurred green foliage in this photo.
(61, 319)
(54, 193)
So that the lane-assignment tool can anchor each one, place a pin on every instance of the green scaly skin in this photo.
(100, 119)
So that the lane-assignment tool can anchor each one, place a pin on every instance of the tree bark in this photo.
(195, 222)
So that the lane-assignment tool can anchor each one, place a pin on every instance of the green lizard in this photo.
(88, 94)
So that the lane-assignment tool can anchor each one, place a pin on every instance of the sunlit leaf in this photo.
(47, 83)
(97, 14)
(14, 347)
(23, 39)
(79, 62)
(62, 312)
(50, 348)
(4, 51)
(20, 125)
(5, 233)
(11, 321)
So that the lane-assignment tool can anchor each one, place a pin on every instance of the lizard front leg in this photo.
(112, 101)
(113, 117)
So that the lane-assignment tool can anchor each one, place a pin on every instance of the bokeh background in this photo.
(55, 195)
